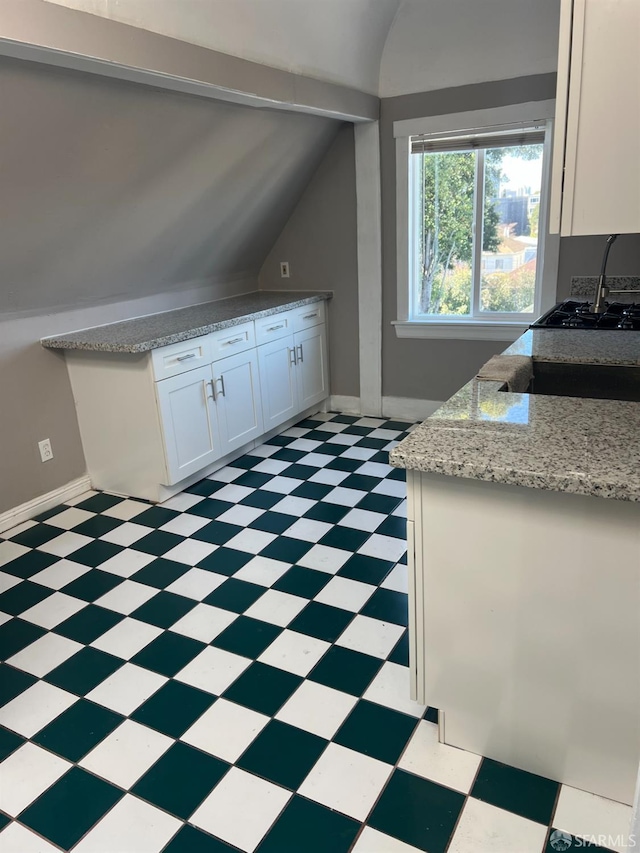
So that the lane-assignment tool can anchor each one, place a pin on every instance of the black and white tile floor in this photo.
(228, 671)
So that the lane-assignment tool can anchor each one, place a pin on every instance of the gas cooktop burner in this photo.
(572, 314)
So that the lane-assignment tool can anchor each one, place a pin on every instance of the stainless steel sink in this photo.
(599, 381)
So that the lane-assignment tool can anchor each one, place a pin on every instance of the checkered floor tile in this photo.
(228, 671)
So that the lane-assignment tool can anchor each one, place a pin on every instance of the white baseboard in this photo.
(405, 408)
(340, 403)
(25, 512)
(408, 408)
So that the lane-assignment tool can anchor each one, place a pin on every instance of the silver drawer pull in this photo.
(233, 341)
(186, 357)
(310, 316)
(275, 328)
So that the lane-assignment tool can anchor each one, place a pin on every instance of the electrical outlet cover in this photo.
(46, 452)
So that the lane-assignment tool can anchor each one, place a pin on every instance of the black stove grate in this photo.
(572, 314)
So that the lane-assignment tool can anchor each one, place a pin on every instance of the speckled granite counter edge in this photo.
(73, 340)
(416, 452)
(548, 481)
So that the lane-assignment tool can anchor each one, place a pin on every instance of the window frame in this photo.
(497, 327)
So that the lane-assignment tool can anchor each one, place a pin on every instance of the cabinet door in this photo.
(238, 399)
(311, 369)
(598, 73)
(278, 382)
(188, 421)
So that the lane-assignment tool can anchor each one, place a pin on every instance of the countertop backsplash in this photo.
(585, 286)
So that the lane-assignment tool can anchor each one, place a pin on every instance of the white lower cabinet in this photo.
(293, 374)
(311, 366)
(238, 400)
(278, 381)
(209, 412)
(189, 422)
(150, 421)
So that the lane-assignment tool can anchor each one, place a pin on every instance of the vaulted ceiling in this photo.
(386, 47)
(336, 40)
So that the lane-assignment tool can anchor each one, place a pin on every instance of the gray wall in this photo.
(112, 190)
(434, 369)
(320, 243)
(120, 200)
(36, 395)
(583, 256)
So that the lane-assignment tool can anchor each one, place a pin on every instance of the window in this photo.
(471, 251)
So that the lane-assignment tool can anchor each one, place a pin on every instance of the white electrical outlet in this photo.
(46, 453)
(284, 269)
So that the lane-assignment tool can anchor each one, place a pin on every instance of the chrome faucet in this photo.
(602, 290)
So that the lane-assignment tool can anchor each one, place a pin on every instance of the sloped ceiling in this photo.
(386, 47)
(438, 44)
(335, 40)
(113, 191)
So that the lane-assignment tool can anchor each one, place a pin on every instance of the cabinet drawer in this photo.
(177, 358)
(226, 342)
(274, 327)
(310, 315)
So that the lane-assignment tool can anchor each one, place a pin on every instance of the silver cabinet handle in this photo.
(186, 357)
(310, 316)
(213, 389)
(233, 341)
(300, 353)
(292, 357)
(221, 381)
(275, 328)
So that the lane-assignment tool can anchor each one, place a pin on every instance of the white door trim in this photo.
(369, 231)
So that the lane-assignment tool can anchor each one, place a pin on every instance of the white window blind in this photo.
(498, 137)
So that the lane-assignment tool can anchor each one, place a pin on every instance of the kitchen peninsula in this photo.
(524, 569)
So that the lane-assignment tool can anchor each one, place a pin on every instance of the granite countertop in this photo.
(157, 330)
(567, 444)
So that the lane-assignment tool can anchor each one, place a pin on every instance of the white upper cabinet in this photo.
(596, 163)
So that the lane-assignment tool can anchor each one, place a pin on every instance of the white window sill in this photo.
(461, 330)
